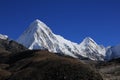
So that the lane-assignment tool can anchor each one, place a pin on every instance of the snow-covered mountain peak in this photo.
(88, 42)
(37, 20)
(39, 36)
(38, 24)
(35, 35)
(89, 39)
(92, 48)
(3, 36)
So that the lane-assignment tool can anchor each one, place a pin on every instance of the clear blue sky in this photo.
(73, 19)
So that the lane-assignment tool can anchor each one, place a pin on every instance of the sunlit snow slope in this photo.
(39, 36)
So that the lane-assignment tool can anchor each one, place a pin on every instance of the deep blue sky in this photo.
(73, 19)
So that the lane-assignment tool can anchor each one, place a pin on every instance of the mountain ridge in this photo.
(39, 36)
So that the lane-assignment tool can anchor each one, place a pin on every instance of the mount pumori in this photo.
(39, 36)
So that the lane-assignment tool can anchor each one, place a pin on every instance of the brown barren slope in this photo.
(43, 65)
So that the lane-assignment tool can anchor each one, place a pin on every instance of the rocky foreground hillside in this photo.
(18, 63)
(110, 70)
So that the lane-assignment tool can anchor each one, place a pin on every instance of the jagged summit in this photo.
(92, 48)
(88, 40)
(38, 24)
(39, 36)
(37, 20)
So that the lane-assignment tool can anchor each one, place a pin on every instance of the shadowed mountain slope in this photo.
(43, 65)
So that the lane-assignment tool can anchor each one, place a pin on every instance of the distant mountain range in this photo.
(39, 36)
